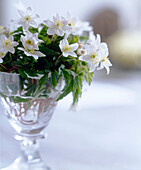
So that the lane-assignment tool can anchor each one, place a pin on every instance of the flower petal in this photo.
(51, 31)
(29, 11)
(11, 38)
(39, 54)
(74, 46)
(20, 48)
(59, 32)
(84, 57)
(11, 50)
(36, 16)
(65, 54)
(14, 43)
(73, 54)
(49, 23)
(21, 13)
(2, 37)
(1, 60)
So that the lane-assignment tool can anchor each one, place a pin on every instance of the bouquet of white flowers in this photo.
(52, 50)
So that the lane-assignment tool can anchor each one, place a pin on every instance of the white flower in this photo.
(76, 26)
(58, 26)
(96, 58)
(32, 53)
(7, 44)
(72, 23)
(68, 49)
(83, 26)
(30, 43)
(96, 40)
(92, 56)
(105, 61)
(3, 30)
(26, 19)
(2, 55)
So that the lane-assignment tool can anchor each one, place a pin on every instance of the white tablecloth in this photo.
(105, 134)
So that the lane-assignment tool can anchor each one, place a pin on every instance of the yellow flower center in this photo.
(105, 59)
(6, 43)
(72, 24)
(29, 42)
(59, 23)
(1, 54)
(93, 57)
(67, 48)
(27, 18)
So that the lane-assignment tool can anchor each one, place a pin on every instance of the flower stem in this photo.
(58, 59)
(54, 40)
(3, 66)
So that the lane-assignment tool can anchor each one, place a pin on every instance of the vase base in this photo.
(19, 164)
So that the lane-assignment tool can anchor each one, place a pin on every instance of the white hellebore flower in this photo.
(1, 56)
(30, 43)
(7, 44)
(68, 49)
(105, 61)
(92, 56)
(26, 19)
(58, 26)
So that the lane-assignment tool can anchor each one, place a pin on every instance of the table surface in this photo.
(103, 134)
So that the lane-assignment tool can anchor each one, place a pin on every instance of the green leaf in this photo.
(43, 79)
(44, 30)
(45, 39)
(22, 73)
(48, 52)
(17, 99)
(83, 39)
(33, 29)
(74, 39)
(66, 90)
(20, 29)
(31, 73)
(54, 78)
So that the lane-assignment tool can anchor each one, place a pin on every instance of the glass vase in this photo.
(29, 108)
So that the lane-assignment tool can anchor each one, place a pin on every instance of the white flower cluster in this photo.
(65, 26)
(93, 52)
(96, 54)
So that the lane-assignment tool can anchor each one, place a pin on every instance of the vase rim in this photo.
(1, 72)
(16, 74)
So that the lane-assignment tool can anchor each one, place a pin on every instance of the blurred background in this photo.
(105, 131)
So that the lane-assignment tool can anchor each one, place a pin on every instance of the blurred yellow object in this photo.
(125, 48)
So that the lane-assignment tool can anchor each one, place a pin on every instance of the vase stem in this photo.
(30, 150)
(30, 157)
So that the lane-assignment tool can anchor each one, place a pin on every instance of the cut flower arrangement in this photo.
(39, 65)
(54, 50)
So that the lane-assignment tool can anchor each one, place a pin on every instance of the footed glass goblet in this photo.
(29, 108)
